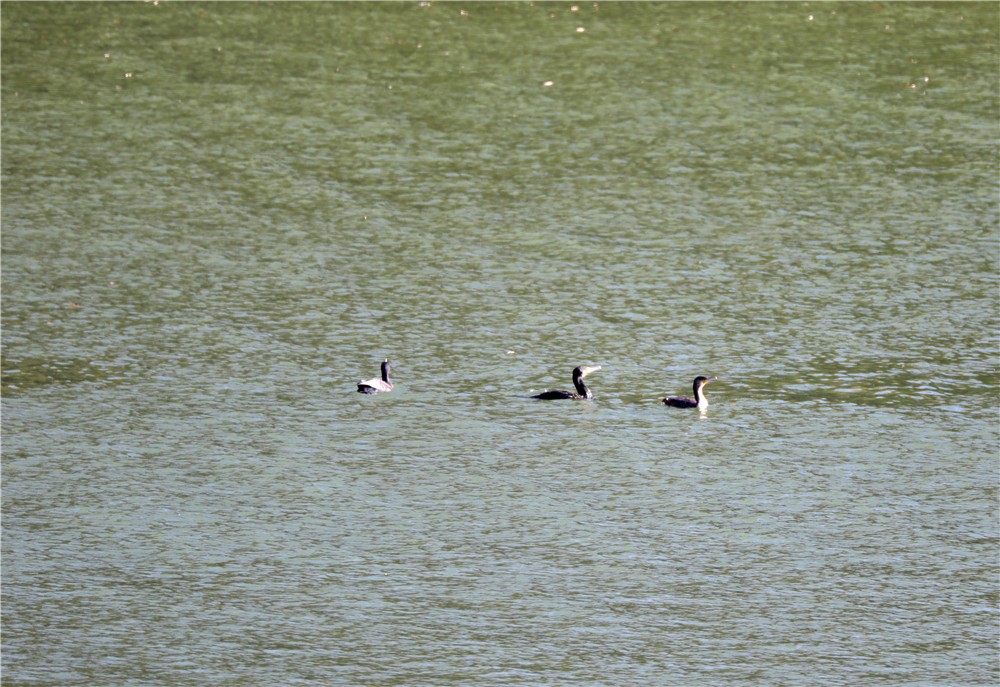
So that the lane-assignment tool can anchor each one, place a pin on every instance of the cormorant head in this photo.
(386, 367)
(584, 370)
(700, 381)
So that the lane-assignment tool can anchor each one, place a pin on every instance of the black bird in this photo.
(581, 389)
(375, 385)
(699, 401)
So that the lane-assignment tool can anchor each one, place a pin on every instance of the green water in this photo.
(217, 217)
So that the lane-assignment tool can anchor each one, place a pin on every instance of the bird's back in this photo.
(555, 395)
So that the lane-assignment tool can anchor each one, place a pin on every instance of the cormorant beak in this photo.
(588, 369)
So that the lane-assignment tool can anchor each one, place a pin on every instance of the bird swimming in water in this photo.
(699, 401)
(375, 385)
(581, 389)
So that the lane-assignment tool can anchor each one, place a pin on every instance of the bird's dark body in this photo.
(680, 402)
(557, 394)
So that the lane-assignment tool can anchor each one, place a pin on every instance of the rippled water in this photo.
(218, 217)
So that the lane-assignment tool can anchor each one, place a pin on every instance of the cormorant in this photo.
(699, 401)
(581, 389)
(375, 385)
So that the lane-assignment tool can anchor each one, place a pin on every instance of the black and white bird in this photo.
(375, 385)
(581, 389)
(699, 401)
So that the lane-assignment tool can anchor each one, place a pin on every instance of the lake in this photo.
(218, 217)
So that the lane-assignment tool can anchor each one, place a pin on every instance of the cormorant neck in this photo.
(581, 388)
(700, 397)
(385, 373)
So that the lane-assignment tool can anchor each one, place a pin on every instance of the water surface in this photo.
(218, 217)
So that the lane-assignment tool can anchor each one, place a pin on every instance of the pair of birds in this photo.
(700, 400)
